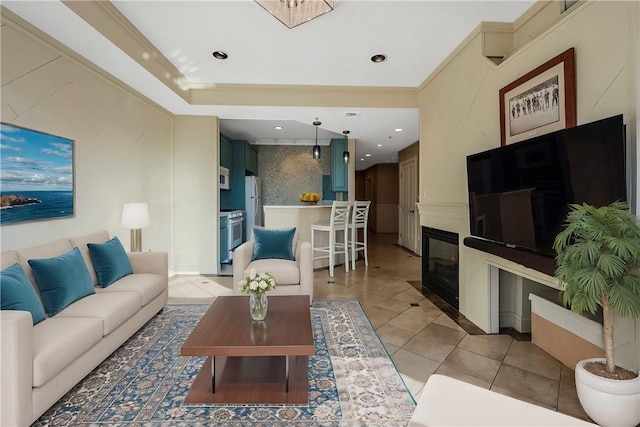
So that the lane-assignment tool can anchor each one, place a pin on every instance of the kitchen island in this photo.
(302, 217)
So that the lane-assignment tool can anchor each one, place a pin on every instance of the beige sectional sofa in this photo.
(40, 363)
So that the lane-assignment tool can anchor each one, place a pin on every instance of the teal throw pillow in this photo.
(273, 243)
(62, 280)
(110, 261)
(17, 293)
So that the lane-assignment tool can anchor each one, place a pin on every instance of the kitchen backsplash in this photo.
(290, 170)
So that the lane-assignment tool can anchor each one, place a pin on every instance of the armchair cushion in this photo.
(286, 272)
(273, 243)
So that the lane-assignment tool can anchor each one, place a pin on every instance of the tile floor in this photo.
(422, 339)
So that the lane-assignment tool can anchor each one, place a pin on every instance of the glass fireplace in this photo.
(440, 263)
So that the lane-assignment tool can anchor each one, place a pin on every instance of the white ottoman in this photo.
(449, 402)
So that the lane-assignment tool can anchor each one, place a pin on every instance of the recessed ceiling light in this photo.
(379, 145)
(378, 58)
(218, 54)
(398, 129)
(278, 127)
(362, 160)
(367, 155)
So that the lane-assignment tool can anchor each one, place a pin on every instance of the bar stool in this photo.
(359, 220)
(339, 223)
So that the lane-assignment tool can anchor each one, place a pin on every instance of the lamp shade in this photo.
(135, 215)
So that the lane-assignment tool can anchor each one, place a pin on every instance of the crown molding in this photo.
(106, 19)
(316, 96)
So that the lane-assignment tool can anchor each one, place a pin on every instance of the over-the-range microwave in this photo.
(224, 178)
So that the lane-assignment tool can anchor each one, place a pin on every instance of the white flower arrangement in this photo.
(257, 283)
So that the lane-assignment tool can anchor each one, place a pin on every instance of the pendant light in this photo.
(345, 154)
(316, 148)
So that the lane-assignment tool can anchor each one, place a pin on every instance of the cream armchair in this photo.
(294, 277)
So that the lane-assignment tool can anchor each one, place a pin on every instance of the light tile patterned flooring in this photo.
(422, 340)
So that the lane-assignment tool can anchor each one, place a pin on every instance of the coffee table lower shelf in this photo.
(252, 379)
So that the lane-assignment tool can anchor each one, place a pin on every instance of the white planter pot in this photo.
(610, 403)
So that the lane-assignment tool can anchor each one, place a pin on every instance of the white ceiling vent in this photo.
(352, 114)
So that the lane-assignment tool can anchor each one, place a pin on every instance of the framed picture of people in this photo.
(541, 101)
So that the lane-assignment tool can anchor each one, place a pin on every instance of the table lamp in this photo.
(135, 216)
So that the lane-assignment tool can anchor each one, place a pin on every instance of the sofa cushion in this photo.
(62, 280)
(286, 272)
(113, 308)
(273, 243)
(81, 243)
(110, 261)
(149, 286)
(17, 293)
(46, 250)
(59, 341)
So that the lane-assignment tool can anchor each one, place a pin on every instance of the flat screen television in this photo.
(519, 193)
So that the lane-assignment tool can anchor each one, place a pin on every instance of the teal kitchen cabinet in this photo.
(251, 158)
(226, 156)
(339, 169)
(327, 193)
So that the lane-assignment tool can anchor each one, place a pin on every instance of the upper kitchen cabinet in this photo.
(226, 154)
(251, 156)
(245, 158)
(339, 169)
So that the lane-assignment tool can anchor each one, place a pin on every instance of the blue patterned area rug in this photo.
(352, 380)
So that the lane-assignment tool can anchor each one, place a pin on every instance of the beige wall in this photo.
(196, 200)
(459, 116)
(122, 143)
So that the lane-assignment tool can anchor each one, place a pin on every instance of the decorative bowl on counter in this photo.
(310, 198)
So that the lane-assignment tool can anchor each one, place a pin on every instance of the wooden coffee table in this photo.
(249, 361)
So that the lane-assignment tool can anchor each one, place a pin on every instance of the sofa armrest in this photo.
(16, 368)
(149, 262)
(241, 259)
(305, 257)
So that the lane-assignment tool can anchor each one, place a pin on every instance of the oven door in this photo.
(235, 234)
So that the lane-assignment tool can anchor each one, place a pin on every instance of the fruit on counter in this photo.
(309, 197)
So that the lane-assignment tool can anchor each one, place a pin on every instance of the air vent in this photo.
(352, 113)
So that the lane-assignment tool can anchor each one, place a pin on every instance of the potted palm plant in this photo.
(597, 264)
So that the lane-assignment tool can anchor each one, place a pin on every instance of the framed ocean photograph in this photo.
(36, 175)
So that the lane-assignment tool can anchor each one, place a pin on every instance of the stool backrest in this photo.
(340, 214)
(360, 214)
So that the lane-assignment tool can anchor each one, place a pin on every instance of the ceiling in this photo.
(331, 50)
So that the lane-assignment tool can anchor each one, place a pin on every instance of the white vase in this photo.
(610, 403)
(258, 305)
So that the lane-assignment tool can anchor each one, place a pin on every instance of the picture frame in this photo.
(36, 175)
(539, 102)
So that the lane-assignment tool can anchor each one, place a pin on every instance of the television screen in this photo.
(518, 194)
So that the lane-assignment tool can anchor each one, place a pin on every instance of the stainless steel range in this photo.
(232, 237)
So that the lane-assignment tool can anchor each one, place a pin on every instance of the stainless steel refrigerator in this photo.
(253, 204)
